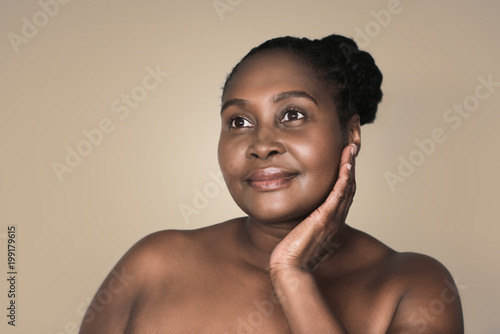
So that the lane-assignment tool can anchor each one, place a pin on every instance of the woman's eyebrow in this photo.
(233, 102)
(275, 99)
(291, 94)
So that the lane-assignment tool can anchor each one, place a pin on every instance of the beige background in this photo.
(64, 79)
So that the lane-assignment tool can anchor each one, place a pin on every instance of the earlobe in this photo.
(354, 131)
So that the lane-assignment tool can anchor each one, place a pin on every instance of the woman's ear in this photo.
(353, 131)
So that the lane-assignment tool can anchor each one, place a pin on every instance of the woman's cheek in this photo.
(320, 159)
(231, 160)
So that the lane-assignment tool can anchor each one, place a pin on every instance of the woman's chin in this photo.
(273, 213)
(283, 205)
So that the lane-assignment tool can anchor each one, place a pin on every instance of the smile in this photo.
(268, 179)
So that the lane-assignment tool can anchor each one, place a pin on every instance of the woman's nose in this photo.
(265, 143)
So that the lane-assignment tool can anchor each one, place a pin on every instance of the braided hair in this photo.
(347, 72)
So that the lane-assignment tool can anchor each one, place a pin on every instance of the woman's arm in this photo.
(111, 308)
(306, 245)
(430, 287)
(431, 303)
(304, 307)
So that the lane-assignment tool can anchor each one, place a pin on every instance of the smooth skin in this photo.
(292, 265)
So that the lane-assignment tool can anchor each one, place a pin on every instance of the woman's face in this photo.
(280, 141)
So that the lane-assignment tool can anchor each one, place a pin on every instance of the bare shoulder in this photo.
(431, 300)
(408, 267)
(152, 260)
(166, 252)
(112, 305)
(418, 269)
(427, 298)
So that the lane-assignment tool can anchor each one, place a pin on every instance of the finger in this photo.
(343, 192)
(348, 156)
(341, 195)
(345, 185)
(350, 188)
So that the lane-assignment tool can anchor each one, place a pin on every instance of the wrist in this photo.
(289, 275)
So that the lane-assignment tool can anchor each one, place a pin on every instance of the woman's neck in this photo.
(259, 240)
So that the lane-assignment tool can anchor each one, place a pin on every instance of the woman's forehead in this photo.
(270, 72)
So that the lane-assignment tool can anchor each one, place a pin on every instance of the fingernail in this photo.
(354, 149)
(349, 166)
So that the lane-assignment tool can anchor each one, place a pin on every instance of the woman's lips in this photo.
(267, 179)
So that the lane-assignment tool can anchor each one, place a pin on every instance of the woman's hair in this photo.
(349, 74)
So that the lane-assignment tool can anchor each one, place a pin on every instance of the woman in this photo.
(291, 116)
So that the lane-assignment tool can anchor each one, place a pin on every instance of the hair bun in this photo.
(363, 77)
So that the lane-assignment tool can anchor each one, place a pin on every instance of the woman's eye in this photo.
(292, 115)
(240, 122)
